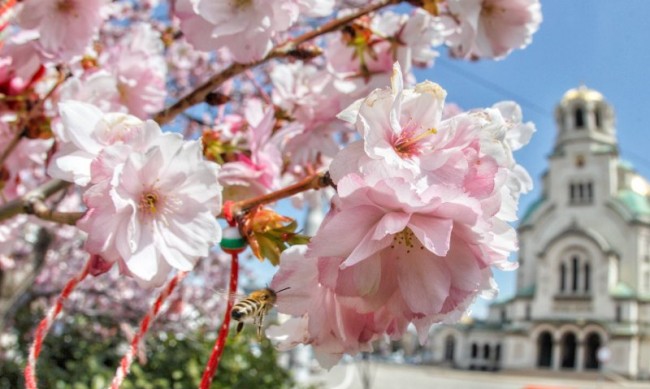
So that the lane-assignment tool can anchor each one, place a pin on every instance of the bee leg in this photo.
(258, 322)
(240, 326)
(259, 332)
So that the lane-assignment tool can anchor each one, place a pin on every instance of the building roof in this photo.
(582, 93)
(622, 290)
(636, 203)
(531, 209)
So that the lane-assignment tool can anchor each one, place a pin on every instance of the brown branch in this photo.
(282, 50)
(21, 204)
(11, 146)
(36, 206)
(315, 181)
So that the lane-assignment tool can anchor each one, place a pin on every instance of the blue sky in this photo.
(603, 44)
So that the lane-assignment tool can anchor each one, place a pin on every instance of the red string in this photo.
(127, 359)
(217, 350)
(46, 323)
(6, 13)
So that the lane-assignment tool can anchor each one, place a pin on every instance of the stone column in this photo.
(580, 356)
(556, 354)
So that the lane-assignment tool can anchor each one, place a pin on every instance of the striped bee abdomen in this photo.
(246, 309)
(254, 308)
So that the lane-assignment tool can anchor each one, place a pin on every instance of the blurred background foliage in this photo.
(83, 353)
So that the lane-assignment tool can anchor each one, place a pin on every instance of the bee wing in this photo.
(226, 294)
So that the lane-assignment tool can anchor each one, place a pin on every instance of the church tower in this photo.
(583, 284)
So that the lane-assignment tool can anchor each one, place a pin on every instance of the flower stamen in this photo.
(406, 238)
(148, 203)
(65, 6)
(408, 143)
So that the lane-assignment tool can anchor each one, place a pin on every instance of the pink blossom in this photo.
(360, 70)
(363, 59)
(429, 199)
(492, 28)
(131, 79)
(22, 170)
(157, 211)
(21, 63)
(399, 128)
(412, 36)
(414, 256)
(404, 135)
(259, 173)
(245, 28)
(308, 96)
(87, 131)
(66, 27)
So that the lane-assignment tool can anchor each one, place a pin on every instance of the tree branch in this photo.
(284, 49)
(315, 181)
(21, 204)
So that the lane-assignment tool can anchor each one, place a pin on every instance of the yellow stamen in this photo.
(148, 203)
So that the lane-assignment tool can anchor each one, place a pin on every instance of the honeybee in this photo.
(253, 308)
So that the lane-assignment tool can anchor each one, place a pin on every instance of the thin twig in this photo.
(11, 146)
(315, 181)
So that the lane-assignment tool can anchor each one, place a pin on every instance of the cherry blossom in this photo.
(66, 27)
(245, 28)
(21, 63)
(132, 77)
(492, 28)
(422, 193)
(308, 95)
(430, 199)
(86, 131)
(157, 212)
(258, 173)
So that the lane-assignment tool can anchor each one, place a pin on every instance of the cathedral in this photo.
(582, 298)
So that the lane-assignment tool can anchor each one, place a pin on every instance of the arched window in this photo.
(569, 343)
(486, 351)
(581, 193)
(580, 118)
(474, 350)
(575, 273)
(592, 344)
(599, 118)
(450, 345)
(587, 276)
(545, 349)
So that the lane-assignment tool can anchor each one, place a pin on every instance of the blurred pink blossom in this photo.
(245, 28)
(131, 78)
(491, 28)
(21, 63)
(66, 27)
(259, 173)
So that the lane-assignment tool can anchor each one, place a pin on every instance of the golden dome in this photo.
(582, 93)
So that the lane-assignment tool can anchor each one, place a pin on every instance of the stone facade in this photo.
(583, 285)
